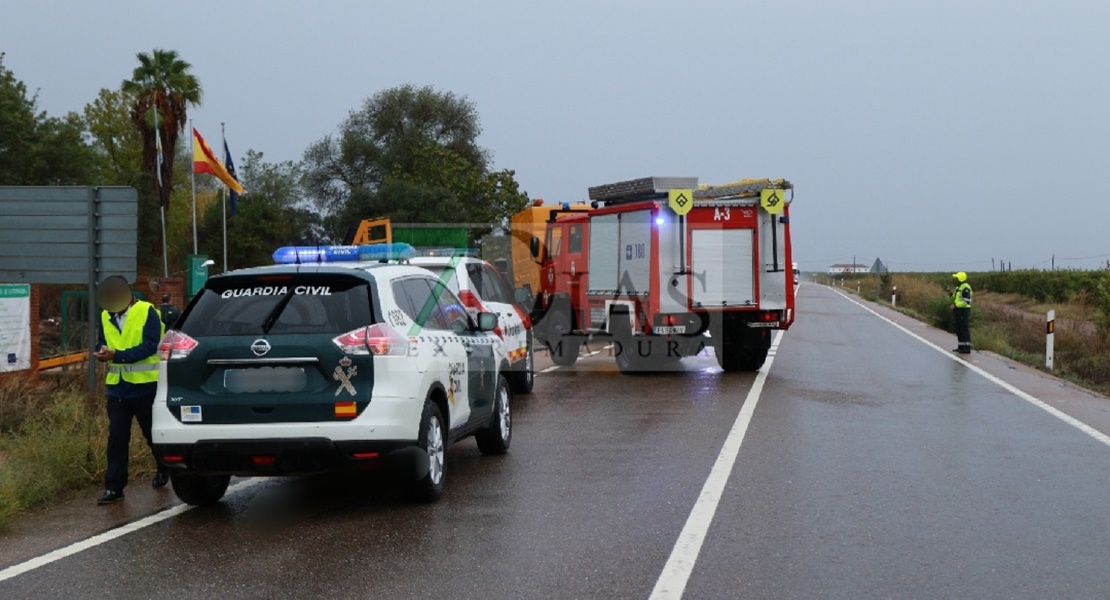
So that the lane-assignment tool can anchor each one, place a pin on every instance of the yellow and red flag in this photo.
(205, 161)
(346, 410)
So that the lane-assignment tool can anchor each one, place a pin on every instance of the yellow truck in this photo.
(528, 225)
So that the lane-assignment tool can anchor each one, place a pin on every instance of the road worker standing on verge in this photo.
(130, 331)
(961, 312)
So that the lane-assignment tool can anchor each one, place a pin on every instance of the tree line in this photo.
(409, 152)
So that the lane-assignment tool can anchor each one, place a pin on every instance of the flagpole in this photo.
(193, 181)
(223, 193)
(161, 192)
(165, 257)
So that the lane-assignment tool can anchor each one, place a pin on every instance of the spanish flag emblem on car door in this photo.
(346, 410)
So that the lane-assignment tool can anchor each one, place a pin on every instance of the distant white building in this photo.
(849, 269)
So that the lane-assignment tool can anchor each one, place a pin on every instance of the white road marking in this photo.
(595, 352)
(1031, 399)
(676, 573)
(107, 536)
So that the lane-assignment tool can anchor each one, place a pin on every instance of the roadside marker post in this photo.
(1050, 335)
(894, 297)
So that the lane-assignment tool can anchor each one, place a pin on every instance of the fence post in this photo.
(1050, 334)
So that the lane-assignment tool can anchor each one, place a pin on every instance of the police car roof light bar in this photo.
(288, 255)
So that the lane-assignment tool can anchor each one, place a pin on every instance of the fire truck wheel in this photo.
(562, 347)
(734, 358)
(635, 354)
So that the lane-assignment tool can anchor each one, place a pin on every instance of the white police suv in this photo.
(307, 367)
(481, 288)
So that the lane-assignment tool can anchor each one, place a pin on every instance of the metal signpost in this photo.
(69, 235)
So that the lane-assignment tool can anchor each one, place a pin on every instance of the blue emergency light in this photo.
(394, 251)
(288, 255)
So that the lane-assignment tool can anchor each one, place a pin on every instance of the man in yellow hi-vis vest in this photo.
(130, 331)
(961, 311)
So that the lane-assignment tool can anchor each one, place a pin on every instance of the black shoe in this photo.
(109, 497)
(160, 480)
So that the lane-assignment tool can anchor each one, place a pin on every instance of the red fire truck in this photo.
(660, 285)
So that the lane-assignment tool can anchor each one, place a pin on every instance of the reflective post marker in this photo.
(894, 296)
(1050, 333)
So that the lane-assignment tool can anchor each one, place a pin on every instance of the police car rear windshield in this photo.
(299, 304)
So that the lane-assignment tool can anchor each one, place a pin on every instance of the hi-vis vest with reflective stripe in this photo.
(962, 296)
(144, 371)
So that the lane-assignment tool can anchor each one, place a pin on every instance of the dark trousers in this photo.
(120, 413)
(963, 329)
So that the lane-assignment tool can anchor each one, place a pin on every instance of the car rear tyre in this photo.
(432, 440)
(496, 438)
(524, 377)
(199, 490)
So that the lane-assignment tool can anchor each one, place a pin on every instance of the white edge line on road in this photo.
(594, 353)
(676, 573)
(1031, 399)
(107, 536)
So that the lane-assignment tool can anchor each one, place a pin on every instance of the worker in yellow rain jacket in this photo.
(130, 331)
(961, 312)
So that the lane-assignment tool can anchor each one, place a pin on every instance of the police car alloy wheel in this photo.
(430, 487)
(434, 441)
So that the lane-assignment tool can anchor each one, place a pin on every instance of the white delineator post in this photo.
(1050, 334)
(894, 296)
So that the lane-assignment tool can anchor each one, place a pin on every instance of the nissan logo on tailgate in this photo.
(260, 347)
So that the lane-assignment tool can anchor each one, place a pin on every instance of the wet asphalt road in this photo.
(873, 467)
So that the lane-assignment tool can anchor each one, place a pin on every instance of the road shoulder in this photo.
(1080, 403)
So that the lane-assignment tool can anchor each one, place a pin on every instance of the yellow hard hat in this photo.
(961, 276)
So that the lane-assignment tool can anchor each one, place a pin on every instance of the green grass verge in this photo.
(53, 444)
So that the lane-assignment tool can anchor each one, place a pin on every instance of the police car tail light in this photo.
(353, 342)
(176, 345)
(384, 340)
(379, 340)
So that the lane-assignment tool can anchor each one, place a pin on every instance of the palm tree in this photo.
(162, 82)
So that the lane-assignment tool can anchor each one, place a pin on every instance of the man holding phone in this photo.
(130, 331)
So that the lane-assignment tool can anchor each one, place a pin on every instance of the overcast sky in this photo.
(934, 134)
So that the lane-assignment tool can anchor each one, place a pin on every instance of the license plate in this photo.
(763, 324)
(265, 379)
(669, 330)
